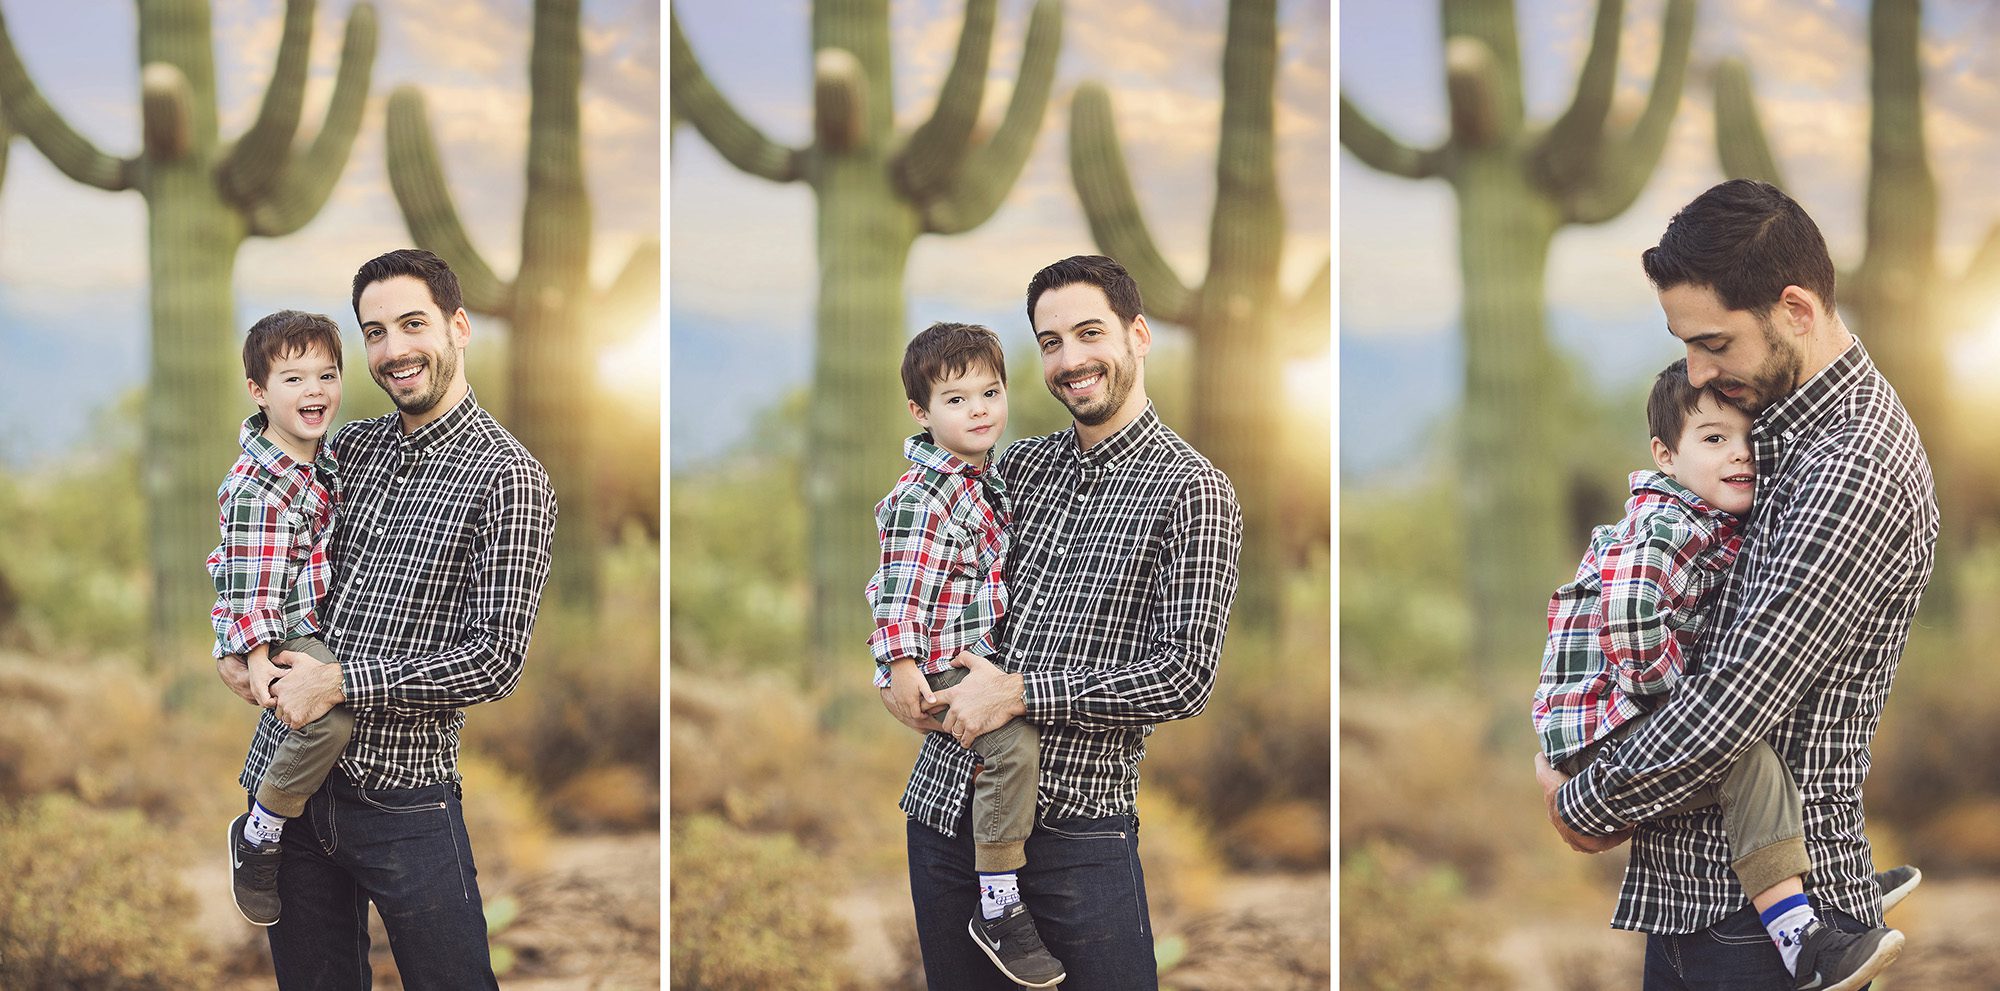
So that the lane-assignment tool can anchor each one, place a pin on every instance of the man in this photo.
(1121, 575)
(1810, 623)
(440, 553)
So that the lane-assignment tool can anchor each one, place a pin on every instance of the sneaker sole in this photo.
(1885, 954)
(235, 827)
(972, 931)
(1895, 895)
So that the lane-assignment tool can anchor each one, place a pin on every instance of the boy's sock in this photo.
(996, 892)
(1783, 921)
(263, 826)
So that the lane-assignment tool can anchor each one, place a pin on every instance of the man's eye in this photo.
(1714, 348)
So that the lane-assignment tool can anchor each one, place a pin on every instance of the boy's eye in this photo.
(990, 393)
(953, 401)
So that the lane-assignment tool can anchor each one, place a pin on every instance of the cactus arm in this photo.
(697, 101)
(1104, 186)
(421, 193)
(937, 147)
(1739, 134)
(1567, 147)
(991, 169)
(1379, 150)
(1629, 160)
(308, 179)
(245, 175)
(633, 294)
(71, 153)
(1312, 310)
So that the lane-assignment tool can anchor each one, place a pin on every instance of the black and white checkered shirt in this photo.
(440, 553)
(1807, 635)
(1122, 570)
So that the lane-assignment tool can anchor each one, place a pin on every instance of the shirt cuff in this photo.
(881, 675)
(365, 683)
(246, 632)
(893, 640)
(1048, 695)
(1583, 809)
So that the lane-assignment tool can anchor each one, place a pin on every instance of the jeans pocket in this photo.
(1742, 928)
(428, 798)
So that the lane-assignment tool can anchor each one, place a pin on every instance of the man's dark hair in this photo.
(416, 263)
(1746, 240)
(1119, 288)
(283, 334)
(1672, 401)
(946, 350)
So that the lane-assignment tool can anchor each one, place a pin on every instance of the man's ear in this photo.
(1800, 309)
(1142, 335)
(1663, 458)
(917, 413)
(461, 328)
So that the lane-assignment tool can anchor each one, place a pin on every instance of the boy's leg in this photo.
(1764, 819)
(307, 754)
(1003, 795)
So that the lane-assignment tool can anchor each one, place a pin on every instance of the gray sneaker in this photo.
(1896, 883)
(253, 875)
(1831, 960)
(1015, 946)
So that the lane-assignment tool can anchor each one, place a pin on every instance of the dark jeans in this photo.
(1735, 954)
(405, 850)
(1083, 883)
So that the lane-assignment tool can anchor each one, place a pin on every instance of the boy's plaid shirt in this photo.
(270, 568)
(940, 587)
(1618, 630)
(1807, 633)
(439, 559)
(1122, 570)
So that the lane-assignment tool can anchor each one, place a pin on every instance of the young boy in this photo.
(940, 590)
(271, 571)
(1617, 636)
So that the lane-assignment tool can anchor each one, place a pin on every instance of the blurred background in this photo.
(141, 232)
(954, 150)
(1497, 337)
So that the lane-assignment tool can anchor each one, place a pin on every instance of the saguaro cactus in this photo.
(203, 198)
(1903, 302)
(1241, 337)
(557, 321)
(1516, 186)
(876, 191)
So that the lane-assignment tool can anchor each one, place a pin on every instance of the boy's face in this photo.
(300, 397)
(967, 412)
(1713, 456)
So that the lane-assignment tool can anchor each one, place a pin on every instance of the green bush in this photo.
(89, 902)
(749, 914)
(1406, 926)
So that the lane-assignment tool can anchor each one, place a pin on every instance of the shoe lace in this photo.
(263, 871)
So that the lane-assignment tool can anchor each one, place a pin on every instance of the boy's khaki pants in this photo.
(1003, 793)
(1761, 811)
(308, 753)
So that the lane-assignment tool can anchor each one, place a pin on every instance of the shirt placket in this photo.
(1053, 570)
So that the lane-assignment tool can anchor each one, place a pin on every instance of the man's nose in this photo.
(1700, 371)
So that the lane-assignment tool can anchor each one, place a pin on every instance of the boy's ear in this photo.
(256, 391)
(1663, 458)
(917, 413)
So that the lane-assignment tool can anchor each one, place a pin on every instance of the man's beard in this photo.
(1775, 378)
(441, 372)
(1118, 382)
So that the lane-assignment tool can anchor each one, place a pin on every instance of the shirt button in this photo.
(1038, 600)
(1059, 551)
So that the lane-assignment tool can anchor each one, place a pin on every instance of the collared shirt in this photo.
(439, 560)
(943, 536)
(1809, 628)
(1122, 571)
(270, 568)
(1617, 631)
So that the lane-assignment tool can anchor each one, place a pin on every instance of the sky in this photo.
(743, 272)
(1398, 271)
(73, 325)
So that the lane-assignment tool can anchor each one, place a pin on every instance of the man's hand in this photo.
(306, 691)
(236, 674)
(983, 702)
(262, 674)
(1551, 781)
(906, 696)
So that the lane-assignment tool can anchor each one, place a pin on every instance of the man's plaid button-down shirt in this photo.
(1121, 574)
(439, 559)
(943, 537)
(1618, 630)
(1807, 633)
(271, 567)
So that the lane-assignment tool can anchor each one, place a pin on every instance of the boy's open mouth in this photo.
(312, 416)
(1740, 479)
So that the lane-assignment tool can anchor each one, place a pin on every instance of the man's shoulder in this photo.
(357, 439)
(1177, 460)
(1871, 432)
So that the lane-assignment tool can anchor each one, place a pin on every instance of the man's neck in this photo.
(1825, 351)
(1087, 436)
(452, 397)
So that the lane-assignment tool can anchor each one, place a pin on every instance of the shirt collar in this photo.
(921, 449)
(266, 452)
(1713, 525)
(1112, 451)
(1811, 402)
(440, 430)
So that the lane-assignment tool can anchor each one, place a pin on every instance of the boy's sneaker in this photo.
(253, 875)
(1831, 960)
(1015, 946)
(1896, 883)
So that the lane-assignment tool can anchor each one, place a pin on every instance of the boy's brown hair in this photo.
(946, 350)
(1672, 401)
(283, 334)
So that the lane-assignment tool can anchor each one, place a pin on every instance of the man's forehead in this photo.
(1064, 307)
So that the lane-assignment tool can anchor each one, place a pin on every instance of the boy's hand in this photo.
(236, 674)
(907, 696)
(1551, 781)
(307, 691)
(262, 673)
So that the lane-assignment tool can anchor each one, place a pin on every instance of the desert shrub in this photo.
(1408, 617)
(89, 902)
(1405, 925)
(749, 913)
(1183, 873)
(509, 831)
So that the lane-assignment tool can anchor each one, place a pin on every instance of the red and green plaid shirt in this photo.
(271, 569)
(943, 535)
(1617, 631)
